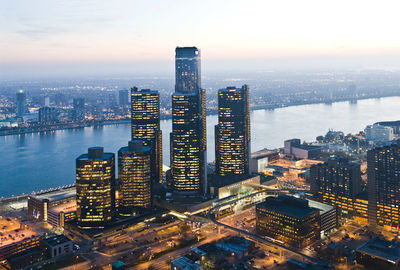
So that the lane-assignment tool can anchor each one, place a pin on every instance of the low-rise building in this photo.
(54, 208)
(289, 220)
(57, 245)
(378, 253)
(295, 149)
(185, 263)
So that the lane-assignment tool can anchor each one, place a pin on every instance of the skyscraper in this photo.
(187, 70)
(384, 185)
(145, 110)
(21, 103)
(123, 96)
(95, 188)
(188, 136)
(337, 182)
(134, 178)
(232, 134)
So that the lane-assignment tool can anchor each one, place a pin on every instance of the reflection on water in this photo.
(33, 162)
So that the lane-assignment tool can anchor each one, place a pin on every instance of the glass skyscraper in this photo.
(134, 178)
(188, 137)
(145, 110)
(21, 103)
(232, 134)
(95, 188)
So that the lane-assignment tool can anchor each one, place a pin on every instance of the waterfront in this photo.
(31, 162)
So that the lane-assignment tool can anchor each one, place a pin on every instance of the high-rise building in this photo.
(111, 99)
(134, 176)
(188, 136)
(145, 111)
(47, 115)
(95, 188)
(79, 109)
(187, 70)
(21, 103)
(232, 134)
(384, 185)
(123, 96)
(338, 182)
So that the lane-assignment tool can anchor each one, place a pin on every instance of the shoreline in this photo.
(168, 117)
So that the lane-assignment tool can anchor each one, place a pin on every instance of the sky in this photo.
(101, 36)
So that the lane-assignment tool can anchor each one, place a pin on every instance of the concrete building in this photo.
(54, 208)
(57, 245)
(289, 220)
(261, 159)
(295, 149)
(383, 185)
(378, 133)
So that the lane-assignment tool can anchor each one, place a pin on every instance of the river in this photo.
(32, 162)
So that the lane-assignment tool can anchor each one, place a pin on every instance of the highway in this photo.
(211, 217)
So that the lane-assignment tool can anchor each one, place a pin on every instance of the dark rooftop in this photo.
(288, 205)
(56, 240)
(383, 249)
(221, 181)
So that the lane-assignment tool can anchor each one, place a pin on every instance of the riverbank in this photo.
(19, 131)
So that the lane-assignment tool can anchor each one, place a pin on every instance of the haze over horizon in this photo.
(48, 38)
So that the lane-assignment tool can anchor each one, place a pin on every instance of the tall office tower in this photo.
(188, 136)
(95, 188)
(123, 96)
(134, 176)
(384, 185)
(79, 109)
(232, 134)
(187, 70)
(145, 111)
(21, 103)
(338, 182)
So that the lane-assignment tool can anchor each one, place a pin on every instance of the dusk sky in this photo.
(111, 36)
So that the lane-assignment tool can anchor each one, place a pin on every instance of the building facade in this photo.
(384, 185)
(232, 134)
(188, 136)
(145, 111)
(134, 176)
(47, 115)
(95, 188)
(21, 103)
(123, 97)
(337, 182)
(289, 220)
(78, 113)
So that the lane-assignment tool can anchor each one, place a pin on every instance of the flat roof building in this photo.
(289, 220)
(378, 253)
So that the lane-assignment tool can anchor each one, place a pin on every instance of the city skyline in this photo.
(107, 38)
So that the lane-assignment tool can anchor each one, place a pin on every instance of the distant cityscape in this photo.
(330, 203)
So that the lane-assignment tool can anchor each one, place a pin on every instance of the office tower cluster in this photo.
(140, 163)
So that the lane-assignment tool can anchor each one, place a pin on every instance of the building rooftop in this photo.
(263, 153)
(222, 181)
(185, 263)
(383, 249)
(288, 205)
(306, 146)
(324, 208)
(67, 207)
(56, 240)
(11, 231)
(57, 195)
